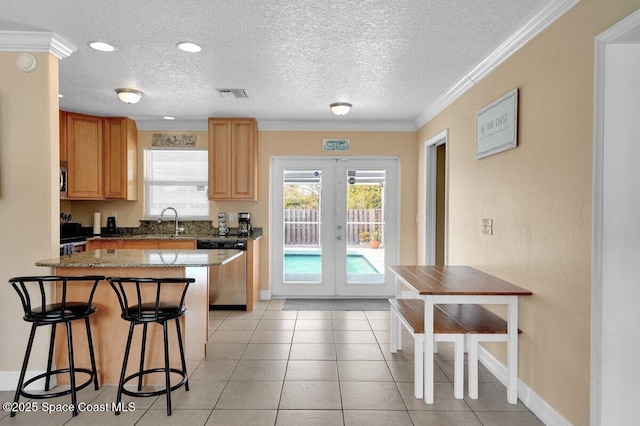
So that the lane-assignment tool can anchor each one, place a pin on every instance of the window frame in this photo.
(147, 183)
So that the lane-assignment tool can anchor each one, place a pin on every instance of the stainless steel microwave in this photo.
(63, 181)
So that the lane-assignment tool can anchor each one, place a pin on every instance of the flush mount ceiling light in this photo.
(340, 108)
(187, 46)
(129, 96)
(168, 117)
(101, 46)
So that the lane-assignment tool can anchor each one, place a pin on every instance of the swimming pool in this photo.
(310, 263)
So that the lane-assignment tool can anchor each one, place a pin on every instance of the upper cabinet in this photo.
(101, 156)
(84, 157)
(120, 159)
(233, 159)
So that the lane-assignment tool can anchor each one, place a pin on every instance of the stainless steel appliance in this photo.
(71, 238)
(63, 180)
(228, 282)
(244, 224)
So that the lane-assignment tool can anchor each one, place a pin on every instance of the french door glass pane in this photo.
(302, 226)
(365, 226)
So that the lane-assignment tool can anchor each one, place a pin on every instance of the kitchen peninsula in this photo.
(109, 330)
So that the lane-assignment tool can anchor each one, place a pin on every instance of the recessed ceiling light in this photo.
(101, 46)
(168, 117)
(187, 46)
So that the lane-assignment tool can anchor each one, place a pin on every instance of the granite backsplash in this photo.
(196, 228)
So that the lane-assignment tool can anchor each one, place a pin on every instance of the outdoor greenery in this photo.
(307, 196)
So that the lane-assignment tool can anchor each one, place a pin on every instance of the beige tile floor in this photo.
(275, 367)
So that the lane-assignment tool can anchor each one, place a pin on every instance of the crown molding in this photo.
(36, 41)
(521, 37)
(354, 126)
(283, 126)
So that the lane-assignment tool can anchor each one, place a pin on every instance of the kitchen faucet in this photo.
(176, 213)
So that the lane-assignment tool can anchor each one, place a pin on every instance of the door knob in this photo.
(339, 237)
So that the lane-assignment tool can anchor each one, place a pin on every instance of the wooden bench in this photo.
(410, 313)
(481, 325)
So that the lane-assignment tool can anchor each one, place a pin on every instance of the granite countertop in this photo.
(128, 258)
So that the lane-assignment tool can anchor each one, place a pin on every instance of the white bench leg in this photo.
(418, 366)
(458, 367)
(394, 332)
(473, 365)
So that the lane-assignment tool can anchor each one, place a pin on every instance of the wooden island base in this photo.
(109, 330)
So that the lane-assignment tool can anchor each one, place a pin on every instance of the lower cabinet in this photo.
(141, 244)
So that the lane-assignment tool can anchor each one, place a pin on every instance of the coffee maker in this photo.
(244, 224)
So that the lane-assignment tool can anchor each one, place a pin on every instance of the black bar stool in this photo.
(39, 310)
(143, 301)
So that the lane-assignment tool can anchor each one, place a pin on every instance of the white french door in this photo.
(334, 225)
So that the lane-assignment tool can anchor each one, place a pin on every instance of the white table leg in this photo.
(512, 350)
(428, 350)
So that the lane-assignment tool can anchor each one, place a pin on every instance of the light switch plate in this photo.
(487, 226)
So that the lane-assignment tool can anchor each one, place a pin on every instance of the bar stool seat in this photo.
(144, 301)
(33, 291)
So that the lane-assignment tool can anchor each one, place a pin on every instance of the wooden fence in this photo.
(302, 227)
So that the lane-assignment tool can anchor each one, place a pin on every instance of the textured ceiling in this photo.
(390, 59)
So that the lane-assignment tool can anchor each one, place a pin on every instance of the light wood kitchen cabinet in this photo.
(84, 157)
(120, 159)
(102, 244)
(141, 244)
(233, 159)
(253, 274)
(100, 155)
(177, 245)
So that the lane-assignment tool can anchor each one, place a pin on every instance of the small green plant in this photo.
(364, 237)
(376, 236)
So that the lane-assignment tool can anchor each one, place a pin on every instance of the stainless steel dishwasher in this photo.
(228, 282)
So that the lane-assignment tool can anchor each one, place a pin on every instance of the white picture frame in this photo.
(497, 126)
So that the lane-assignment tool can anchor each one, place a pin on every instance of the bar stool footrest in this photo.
(26, 394)
(162, 391)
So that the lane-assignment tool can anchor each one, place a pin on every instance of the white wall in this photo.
(621, 237)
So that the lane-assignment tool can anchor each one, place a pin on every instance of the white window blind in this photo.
(176, 178)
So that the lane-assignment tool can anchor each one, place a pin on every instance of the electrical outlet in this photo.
(233, 217)
(487, 226)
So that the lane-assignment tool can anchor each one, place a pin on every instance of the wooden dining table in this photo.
(465, 285)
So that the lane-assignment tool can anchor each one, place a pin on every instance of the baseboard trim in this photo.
(9, 380)
(532, 400)
(265, 294)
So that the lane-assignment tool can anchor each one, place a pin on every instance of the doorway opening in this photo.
(436, 177)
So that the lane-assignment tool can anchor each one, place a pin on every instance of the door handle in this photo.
(338, 237)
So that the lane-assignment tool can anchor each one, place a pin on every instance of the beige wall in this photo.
(539, 197)
(270, 143)
(29, 206)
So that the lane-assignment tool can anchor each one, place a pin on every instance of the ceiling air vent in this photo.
(233, 93)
